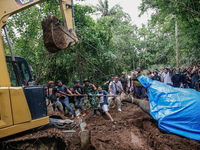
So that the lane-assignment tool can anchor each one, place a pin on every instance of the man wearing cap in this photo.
(90, 90)
(80, 99)
(156, 77)
(64, 99)
(123, 81)
(140, 91)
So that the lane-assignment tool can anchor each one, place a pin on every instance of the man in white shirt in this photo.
(167, 77)
(115, 88)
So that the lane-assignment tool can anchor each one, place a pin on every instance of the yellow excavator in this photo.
(22, 104)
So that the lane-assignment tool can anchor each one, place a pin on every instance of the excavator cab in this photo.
(24, 70)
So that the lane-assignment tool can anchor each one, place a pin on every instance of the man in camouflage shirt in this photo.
(90, 90)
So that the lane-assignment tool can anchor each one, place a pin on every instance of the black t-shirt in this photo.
(157, 78)
(55, 90)
(124, 82)
(63, 88)
(195, 76)
(176, 79)
(79, 89)
(188, 79)
(183, 78)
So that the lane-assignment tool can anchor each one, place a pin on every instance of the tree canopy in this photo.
(123, 45)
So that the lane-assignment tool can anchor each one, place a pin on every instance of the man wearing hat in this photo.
(123, 81)
(89, 89)
(80, 99)
(156, 77)
(140, 91)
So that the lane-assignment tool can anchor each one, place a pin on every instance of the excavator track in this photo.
(48, 139)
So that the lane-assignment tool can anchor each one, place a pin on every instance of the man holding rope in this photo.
(115, 88)
(90, 90)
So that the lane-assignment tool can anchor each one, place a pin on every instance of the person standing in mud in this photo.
(80, 99)
(65, 99)
(108, 82)
(140, 91)
(90, 90)
(123, 81)
(104, 102)
(115, 88)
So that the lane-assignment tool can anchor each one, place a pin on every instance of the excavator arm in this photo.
(10, 7)
(56, 37)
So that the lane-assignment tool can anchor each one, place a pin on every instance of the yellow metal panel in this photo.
(23, 127)
(66, 13)
(4, 76)
(10, 7)
(67, 16)
(5, 108)
(20, 109)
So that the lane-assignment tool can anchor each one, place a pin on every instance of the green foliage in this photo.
(150, 46)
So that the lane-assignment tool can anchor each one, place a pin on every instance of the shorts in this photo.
(104, 107)
(58, 105)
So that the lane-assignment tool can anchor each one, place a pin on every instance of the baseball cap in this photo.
(77, 81)
(124, 73)
(112, 75)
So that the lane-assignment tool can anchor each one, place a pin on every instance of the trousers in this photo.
(79, 103)
(116, 99)
(65, 102)
(140, 92)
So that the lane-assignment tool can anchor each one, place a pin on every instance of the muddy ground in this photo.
(133, 130)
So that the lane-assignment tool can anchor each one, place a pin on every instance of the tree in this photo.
(104, 10)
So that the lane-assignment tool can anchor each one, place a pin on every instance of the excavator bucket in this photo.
(55, 36)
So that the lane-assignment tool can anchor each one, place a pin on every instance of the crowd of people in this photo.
(61, 96)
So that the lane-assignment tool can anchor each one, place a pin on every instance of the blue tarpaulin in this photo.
(177, 110)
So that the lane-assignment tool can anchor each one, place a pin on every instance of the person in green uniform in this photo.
(90, 90)
(137, 86)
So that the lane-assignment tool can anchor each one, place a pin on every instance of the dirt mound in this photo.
(133, 129)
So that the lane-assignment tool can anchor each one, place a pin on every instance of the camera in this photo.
(118, 92)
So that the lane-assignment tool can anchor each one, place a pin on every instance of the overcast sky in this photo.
(130, 6)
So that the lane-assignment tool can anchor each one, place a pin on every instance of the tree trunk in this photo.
(176, 35)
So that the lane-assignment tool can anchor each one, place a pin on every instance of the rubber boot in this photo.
(95, 112)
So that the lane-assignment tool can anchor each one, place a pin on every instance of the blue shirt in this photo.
(105, 102)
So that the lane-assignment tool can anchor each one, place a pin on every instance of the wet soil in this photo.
(132, 129)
